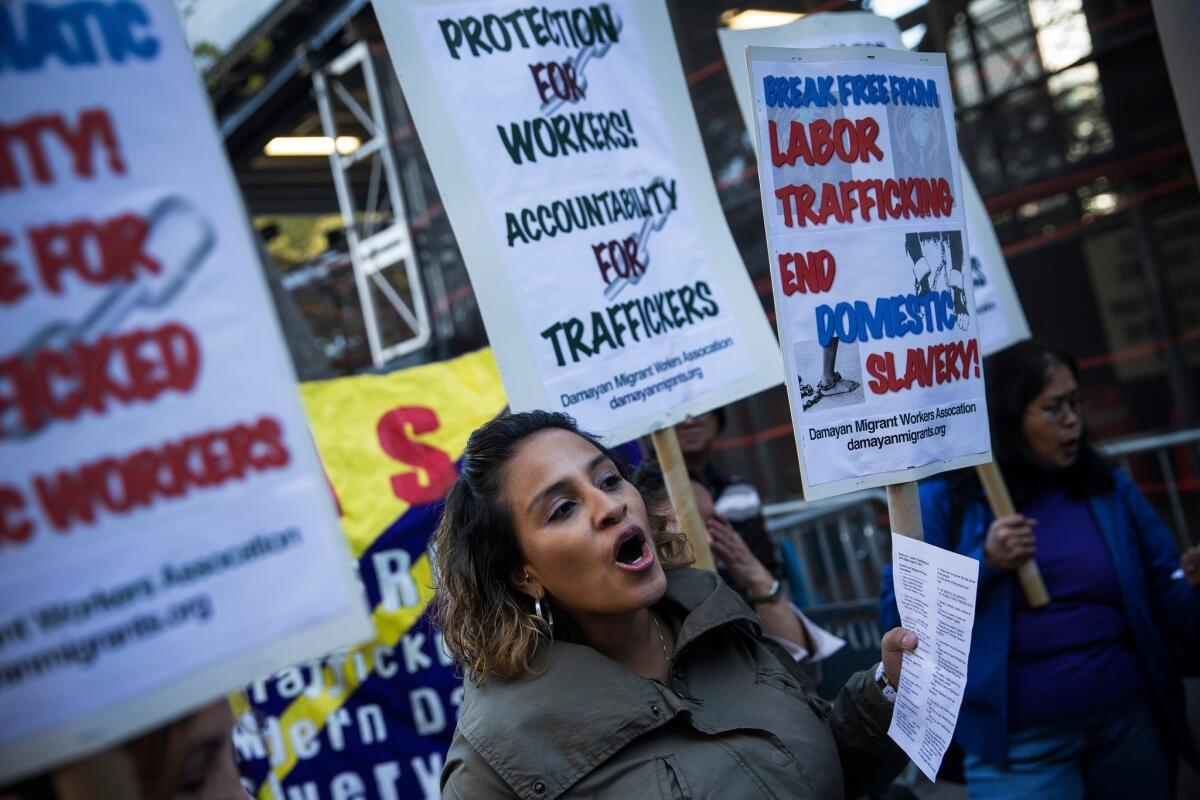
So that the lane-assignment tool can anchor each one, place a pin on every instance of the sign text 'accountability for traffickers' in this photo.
(566, 150)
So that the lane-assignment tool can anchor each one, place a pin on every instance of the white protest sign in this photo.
(1001, 318)
(867, 244)
(567, 154)
(1179, 30)
(166, 532)
(935, 593)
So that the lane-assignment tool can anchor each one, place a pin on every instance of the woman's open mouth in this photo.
(632, 551)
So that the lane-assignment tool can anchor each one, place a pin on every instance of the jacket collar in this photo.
(705, 602)
(550, 729)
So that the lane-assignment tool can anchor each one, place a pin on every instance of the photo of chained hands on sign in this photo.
(937, 266)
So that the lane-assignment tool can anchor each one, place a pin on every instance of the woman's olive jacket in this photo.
(736, 720)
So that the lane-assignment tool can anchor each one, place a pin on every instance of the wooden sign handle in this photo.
(679, 487)
(1002, 506)
(904, 510)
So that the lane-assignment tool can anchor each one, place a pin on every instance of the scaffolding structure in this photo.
(377, 233)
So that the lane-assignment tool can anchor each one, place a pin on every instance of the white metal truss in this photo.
(378, 237)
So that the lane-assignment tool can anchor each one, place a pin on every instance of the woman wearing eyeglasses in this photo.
(1080, 698)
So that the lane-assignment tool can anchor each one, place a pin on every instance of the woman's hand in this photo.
(1191, 565)
(744, 567)
(749, 573)
(895, 642)
(1010, 542)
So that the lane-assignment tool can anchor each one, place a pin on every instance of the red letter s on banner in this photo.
(396, 441)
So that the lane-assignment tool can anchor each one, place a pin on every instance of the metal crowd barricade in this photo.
(1178, 482)
(833, 552)
(834, 549)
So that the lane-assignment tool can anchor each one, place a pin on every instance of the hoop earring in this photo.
(547, 616)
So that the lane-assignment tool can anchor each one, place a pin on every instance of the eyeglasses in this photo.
(1057, 412)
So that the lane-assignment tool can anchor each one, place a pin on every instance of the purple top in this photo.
(1073, 656)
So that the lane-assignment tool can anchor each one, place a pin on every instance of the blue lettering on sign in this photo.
(81, 33)
(891, 318)
(797, 92)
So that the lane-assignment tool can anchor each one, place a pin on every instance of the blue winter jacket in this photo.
(1163, 612)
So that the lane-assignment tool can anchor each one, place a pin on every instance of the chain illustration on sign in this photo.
(631, 258)
(567, 82)
(173, 221)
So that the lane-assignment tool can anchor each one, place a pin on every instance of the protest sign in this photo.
(376, 720)
(1179, 30)
(567, 154)
(1001, 318)
(867, 242)
(166, 534)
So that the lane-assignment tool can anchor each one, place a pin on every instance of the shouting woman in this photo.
(598, 665)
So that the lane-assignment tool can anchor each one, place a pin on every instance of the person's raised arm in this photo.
(861, 716)
(1174, 602)
(763, 588)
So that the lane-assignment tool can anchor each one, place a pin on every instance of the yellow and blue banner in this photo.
(375, 721)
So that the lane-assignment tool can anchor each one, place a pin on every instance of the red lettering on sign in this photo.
(923, 366)
(99, 252)
(122, 483)
(28, 136)
(433, 469)
(14, 527)
(12, 287)
(817, 142)
(813, 272)
(560, 80)
(620, 257)
(136, 365)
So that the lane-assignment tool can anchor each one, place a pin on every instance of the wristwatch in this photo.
(769, 597)
(885, 686)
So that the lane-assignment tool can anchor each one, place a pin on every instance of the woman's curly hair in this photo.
(487, 625)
